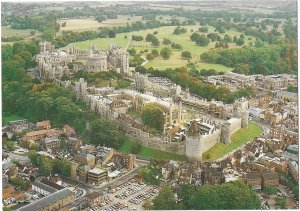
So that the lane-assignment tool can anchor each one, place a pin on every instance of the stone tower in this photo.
(193, 143)
(245, 117)
(141, 82)
(125, 63)
(74, 167)
(225, 134)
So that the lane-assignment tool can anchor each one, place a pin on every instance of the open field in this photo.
(239, 138)
(167, 32)
(87, 24)
(103, 42)
(150, 153)
(12, 117)
(8, 32)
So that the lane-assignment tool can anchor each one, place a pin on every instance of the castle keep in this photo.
(55, 63)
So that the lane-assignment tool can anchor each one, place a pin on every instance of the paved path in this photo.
(145, 61)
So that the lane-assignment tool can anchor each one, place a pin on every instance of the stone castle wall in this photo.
(210, 140)
(193, 148)
(235, 125)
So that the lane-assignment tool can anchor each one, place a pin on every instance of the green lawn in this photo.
(150, 153)
(102, 42)
(237, 139)
(13, 117)
(166, 32)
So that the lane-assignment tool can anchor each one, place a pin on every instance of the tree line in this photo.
(268, 60)
(233, 195)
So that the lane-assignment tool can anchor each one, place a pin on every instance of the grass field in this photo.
(237, 139)
(167, 32)
(88, 24)
(8, 32)
(150, 153)
(12, 117)
(102, 42)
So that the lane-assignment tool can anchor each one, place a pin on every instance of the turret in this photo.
(193, 143)
(225, 135)
(245, 117)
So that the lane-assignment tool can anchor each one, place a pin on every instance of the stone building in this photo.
(55, 63)
(18, 126)
(55, 201)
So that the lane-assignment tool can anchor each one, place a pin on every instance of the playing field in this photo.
(150, 153)
(239, 138)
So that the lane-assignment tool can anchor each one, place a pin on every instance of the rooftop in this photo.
(96, 171)
(46, 201)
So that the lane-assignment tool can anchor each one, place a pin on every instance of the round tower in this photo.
(193, 148)
(225, 133)
(193, 143)
(245, 117)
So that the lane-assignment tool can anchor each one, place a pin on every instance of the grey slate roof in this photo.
(44, 202)
(44, 186)
(6, 166)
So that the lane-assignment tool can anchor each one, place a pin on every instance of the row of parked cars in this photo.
(142, 197)
(121, 186)
(131, 191)
(117, 206)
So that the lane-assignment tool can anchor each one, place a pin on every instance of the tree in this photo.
(137, 38)
(105, 133)
(176, 46)
(33, 157)
(137, 147)
(132, 51)
(10, 146)
(281, 202)
(234, 39)
(292, 89)
(155, 42)
(155, 52)
(147, 205)
(166, 53)
(45, 165)
(203, 29)
(270, 190)
(62, 166)
(186, 55)
(227, 38)
(153, 117)
(164, 200)
(167, 41)
(150, 56)
(225, 196)
(240, 41)
(185, 192)
(111, 34)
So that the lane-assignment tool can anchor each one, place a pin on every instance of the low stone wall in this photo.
(157, 143)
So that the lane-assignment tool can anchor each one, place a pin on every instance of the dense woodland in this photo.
(207, 197)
